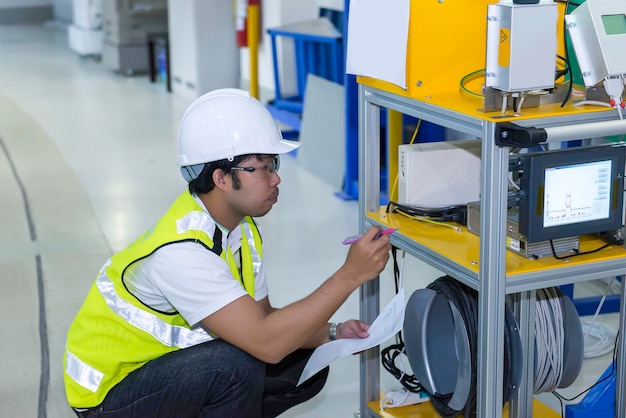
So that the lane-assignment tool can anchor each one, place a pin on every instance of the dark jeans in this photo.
(214, 379)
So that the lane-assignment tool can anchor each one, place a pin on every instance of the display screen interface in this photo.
(614, 24)
(577, 193)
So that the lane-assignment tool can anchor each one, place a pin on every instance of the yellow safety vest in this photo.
(114, 333)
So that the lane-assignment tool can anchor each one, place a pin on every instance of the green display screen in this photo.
(614, 24)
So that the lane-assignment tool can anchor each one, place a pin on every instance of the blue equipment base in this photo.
(350, 191)
(599, 401)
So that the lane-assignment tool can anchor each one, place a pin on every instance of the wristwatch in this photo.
(332, 332)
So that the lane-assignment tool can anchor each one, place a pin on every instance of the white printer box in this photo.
(85, 41)
(87, 14)
(439, 174)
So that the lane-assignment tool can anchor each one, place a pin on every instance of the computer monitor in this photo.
(565, 193)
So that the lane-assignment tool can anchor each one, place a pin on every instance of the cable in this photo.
(566, 58)
(562, 399)
(575, 251)
(605, 339)
(470, 77)
(438, 215)
(428, 220)
(616, 286)
(388, 356)
(402, 397)
(391, 353)
(395, 183)
(592, 102)
(512, 183)
(550, 341)
(614, 237)
(564, 71)
(602, 334)
(601, 341)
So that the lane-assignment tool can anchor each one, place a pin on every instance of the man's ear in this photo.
(219, 178)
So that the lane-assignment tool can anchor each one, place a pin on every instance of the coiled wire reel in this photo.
(440, 336)
(559, 341)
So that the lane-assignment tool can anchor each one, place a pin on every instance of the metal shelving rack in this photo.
(489, 276)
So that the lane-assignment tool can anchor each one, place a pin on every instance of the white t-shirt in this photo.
(188, 278)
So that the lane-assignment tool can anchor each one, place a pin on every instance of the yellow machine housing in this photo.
(447, 42)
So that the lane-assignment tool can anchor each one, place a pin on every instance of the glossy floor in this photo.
(87, 163)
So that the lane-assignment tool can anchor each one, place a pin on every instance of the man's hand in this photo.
(353, 329)
(368, 256)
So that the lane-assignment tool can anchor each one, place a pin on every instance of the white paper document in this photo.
(377, 39)
(385, 326)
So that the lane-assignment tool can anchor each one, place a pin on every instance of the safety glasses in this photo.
(266, 170)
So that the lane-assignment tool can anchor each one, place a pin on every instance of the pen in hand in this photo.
(351, 240)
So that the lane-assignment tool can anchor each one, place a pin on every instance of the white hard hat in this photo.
(225, 123)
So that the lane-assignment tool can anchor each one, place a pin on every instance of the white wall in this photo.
(63, 10)
(14, 4)
(275, 13)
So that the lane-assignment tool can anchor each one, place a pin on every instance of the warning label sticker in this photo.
(504, 51)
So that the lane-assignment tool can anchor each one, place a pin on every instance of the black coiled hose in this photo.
(466, 301)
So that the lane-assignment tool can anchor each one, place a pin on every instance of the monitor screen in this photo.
(614, 24)
(577, 193)
(571, 192)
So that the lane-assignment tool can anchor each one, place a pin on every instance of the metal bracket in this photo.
(512, 135)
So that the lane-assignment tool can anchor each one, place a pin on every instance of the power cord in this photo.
(598, 338)
(601, 333)
(570, 86)
(563, 399)
(390, 354)
(457, 214)
(401, 397)
(413, 137)
(575, 251)
(470, 77)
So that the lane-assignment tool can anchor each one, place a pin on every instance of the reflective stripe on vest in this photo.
(81, 372)
(254, 253)
(169, 335)
(196, 221)
(200, 221)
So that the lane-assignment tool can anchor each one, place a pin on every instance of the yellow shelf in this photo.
(461, 103)
(463, 248)
(426, 410)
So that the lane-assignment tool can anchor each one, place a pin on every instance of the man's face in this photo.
(259, 186)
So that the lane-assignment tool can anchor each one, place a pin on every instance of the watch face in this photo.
(332, 331)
